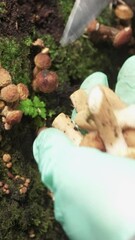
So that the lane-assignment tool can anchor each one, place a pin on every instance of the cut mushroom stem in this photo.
(84, 121)
(129, 135)
(64, 123)
(79, 100)
(106, 122)
(83, 117)
(130, 152)
(126, 117)
(92, 139)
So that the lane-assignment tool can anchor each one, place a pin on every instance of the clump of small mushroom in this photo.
(119, 35)
(7, 160)
(108, 122)
(10, 95)
(20, 183)
(45, 80)
(4, 187)
(23, 183)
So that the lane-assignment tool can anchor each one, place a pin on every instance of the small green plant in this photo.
(33, 108)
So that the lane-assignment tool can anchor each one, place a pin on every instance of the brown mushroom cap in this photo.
(45, 81)
(23, 91)
(42, 61)
(2, 105)
(92, 26)
(36, 70)
(5, 77)
(10, 93)
(123, 12)
(123, 37)
(14, 117)
(6, 157)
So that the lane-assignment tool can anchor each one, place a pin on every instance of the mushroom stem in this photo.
(129, 135)
(92, 139)
(117, 36)
(130, 152)
(101, 29)
(79, 100)
(126, 117)
(107, 125)
(64, 123)
(83, 119)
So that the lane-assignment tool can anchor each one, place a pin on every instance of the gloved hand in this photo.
(94, 192)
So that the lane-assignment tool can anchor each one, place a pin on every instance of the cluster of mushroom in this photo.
(10, 95)
(23, 184)
(118, 36)
(20, 183)
(102, 115)
(7, 160)
(45, 81)
(4, 187)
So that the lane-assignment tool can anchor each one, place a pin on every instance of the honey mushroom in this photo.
(10, 117)
(82, 117)
(10, 95)
(5, 188)
(107, 121)
(123, 12)
(64, 123)
(118, 36)
(23, 185)
(45, 81)
(42, 61)
(23, 91)
(7, 160)
(101, 114)
(5, 77)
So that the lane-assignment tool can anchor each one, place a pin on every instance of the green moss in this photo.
(76, 61)
(2, 7)
(65, 8)
(14, 56)
(72, 63)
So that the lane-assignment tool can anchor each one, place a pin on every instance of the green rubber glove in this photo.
(94, 79)
(94, 192)
(125, 86)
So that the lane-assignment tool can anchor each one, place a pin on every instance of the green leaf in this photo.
(33, 107)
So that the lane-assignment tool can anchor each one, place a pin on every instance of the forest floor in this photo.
(30, 215)
(20, 17)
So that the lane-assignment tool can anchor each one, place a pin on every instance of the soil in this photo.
(20, 17)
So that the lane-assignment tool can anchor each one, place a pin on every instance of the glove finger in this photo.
(91, 81)
(125, 86)
(47, 139)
